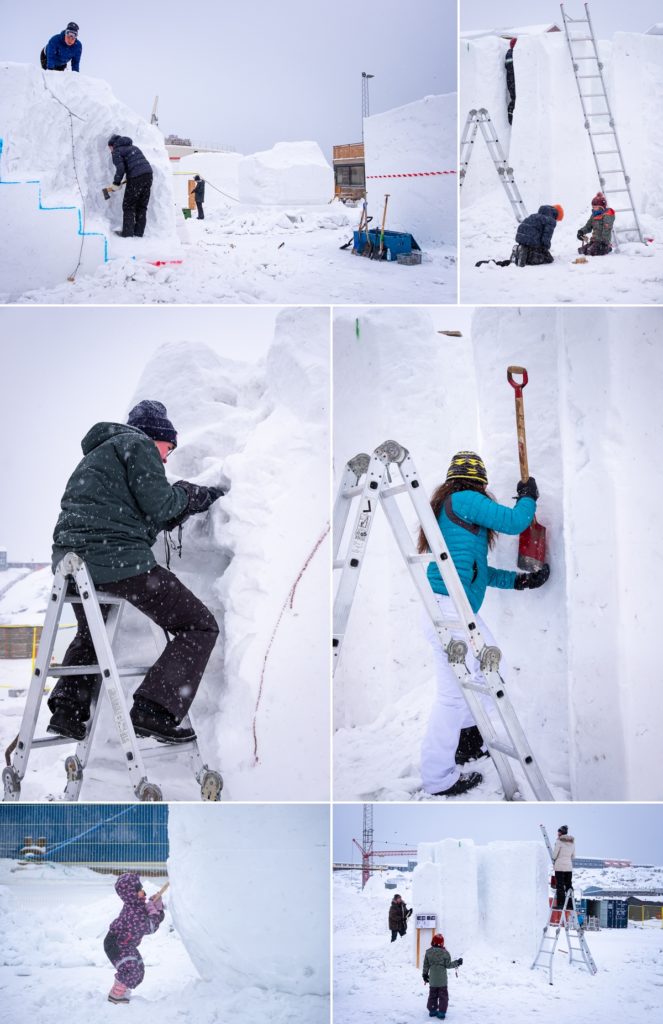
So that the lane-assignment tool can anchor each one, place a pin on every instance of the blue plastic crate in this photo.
(396, 241)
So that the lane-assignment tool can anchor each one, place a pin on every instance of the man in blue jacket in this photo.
(61, 49)
(130, 161)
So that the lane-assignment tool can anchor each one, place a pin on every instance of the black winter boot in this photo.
(470, 746)
(462, 785)
(154, 720)
(66, 722)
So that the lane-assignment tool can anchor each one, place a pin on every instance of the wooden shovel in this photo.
(532, 543)
(160, 892)
(384, 218)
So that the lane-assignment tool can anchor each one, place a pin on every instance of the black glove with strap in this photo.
(459, 961)
(425, 979)
(528, 489)
(200, 498)
(581, 235)
(532, 580)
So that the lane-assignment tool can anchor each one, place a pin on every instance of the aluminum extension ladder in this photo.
(481, 119)
(600, 125)
(575, 933)
(368, 478)
(73, 568)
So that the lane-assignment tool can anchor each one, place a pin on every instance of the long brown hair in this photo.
(438, 499)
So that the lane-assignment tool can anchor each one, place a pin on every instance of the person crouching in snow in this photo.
(114, 506)
(138, 917)
(534, 236)
(436, 964)
(468, 519)
(600, 224)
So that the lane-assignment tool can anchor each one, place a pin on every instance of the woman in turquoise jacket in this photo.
(469, 520)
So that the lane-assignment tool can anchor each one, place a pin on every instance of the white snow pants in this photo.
(450, 712)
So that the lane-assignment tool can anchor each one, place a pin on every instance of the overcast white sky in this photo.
(608, 16)
(255, 72)
(622, 831)
(66, 368)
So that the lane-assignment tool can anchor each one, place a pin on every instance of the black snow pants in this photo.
(201, 212)
(174, 678)
(134, 205)
(438, 999)
(126, 960)
(563, 882)
(595, 249)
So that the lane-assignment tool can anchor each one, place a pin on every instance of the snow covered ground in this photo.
(261, 431)
(376, 980)
(550, 153)
(575, 651)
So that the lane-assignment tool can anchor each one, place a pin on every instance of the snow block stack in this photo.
(61, 161)
(218, 169)
(291, 173)
(455, 863)
(249, 895)
(410, 153)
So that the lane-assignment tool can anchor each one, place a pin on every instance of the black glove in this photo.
(425, 979)
(409, 912)
(528, 489)
(581, 235)
(200, 498)
(532, 580)
(459, 961)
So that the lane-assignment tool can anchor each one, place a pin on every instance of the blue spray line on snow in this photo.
(37, 182)
(93, 828)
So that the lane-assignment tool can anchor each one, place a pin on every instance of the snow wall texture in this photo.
(249, 894)
(496, 893)
(547, 145)
(417, 139)
(262, 433)
(290, 172)
(576, 653)
(55, 128)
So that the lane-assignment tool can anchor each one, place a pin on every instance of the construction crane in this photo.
(367, 850)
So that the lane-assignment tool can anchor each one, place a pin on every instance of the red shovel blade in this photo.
(532, 547)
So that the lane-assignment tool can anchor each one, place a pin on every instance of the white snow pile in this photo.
(258, 559)
(575, 652)
(53, 165)
(250, 899)
(290, 172)
(549, 150)
(411, 154)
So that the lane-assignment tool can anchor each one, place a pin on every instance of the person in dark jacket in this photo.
(437, 962)
(469, 520)
(130, 162)
(114, 506)
(398, 915)
(199, 195)
(510, 80)
(534, 236)
(62, 48)
(138, 917)
(600, 223)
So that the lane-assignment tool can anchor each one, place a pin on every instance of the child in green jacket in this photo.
(600, 223)
(436, 962)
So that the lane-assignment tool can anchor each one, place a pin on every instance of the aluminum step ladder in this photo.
(368, 479)
(72, 570)
(567, 919)
(480, 119)
(600, 125)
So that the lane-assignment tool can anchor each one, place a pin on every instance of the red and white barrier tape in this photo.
(413, 174)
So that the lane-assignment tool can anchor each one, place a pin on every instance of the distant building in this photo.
(3, 559)
(349, 171)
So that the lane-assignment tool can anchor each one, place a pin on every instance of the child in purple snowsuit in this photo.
(139, 917)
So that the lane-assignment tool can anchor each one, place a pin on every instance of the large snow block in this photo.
(55, 128)
(249, 894)
(220, 171)
(513, 895)
(456, 890)
(410, 153)
(289, 173)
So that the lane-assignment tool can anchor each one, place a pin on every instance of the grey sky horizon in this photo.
(253, 74)
(608, 16)
(620, 831)
(59, 389)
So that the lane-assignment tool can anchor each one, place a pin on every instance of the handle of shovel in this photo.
(520, 416)
(160, 892)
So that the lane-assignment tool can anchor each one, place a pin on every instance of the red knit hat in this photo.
(600, 200)
(560, 211)
(437, 940)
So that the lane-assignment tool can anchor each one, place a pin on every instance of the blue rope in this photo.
(93, 828)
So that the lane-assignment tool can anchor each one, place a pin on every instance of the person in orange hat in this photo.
(600, 224)
(533, 238)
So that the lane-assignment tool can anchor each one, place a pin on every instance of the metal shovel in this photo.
(532, 542)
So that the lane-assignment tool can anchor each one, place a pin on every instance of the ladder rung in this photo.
(388, 492)
(603, 113)
(339, 563)
(155, 749)
(51, 741)
(613, 190)
(352, 492)
(102, 598)
(580, 39)
(82, 670)
(605, 152)
(587, 76)
(624, 209)
(604, 131)
(426, 557)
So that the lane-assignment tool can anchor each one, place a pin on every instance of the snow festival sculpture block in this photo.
(54, 163)
(249, 894)
(455, 861)
(289, 173)
(410, 152)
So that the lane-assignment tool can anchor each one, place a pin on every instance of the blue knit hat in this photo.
(151, 417)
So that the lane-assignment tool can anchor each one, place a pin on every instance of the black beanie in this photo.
(151, 417)
(563, 830)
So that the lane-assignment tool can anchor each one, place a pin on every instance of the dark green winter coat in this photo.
(436, 962)
(600, 226)
(115, 503)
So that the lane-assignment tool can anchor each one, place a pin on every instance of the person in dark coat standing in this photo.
(138, 917)
(62, 48)
(534, 236)
(398, 915)
(510, 80)
(130, 161)
(199, 195)
(436, 963)
(115, 504)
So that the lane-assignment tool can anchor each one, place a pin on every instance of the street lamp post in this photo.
(365, 111)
